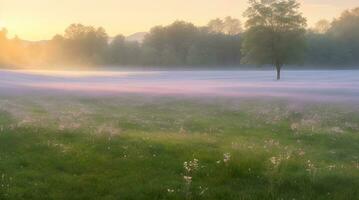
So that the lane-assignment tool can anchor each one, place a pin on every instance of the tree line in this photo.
(275, 33)
(335, 42)
(180, 43)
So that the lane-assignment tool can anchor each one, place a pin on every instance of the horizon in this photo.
(28, 20)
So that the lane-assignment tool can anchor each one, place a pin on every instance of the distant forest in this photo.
(178, 44)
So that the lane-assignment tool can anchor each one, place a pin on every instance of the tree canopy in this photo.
(339, 45)
(85, 43)
(228, 25)
(322, 26)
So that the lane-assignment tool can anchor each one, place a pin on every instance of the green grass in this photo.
(135, 148)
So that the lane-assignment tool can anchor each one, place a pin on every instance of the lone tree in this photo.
(275, 33)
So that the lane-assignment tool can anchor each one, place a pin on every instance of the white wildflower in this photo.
(276, 161)
(191, 166)
(188, 179)
(331, 167)
(226, 157)
(202, 190)
(301, 152)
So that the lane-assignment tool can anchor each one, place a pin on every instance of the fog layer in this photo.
(331, 85)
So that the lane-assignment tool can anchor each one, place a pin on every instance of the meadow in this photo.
(156, 147)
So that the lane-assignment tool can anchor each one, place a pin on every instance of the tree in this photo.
(322, 26)
(216, 25)
(85, 44)
(275, 33)
(55, 48)
(123, 52)
(339, 44)
(344, 32)
(170, 44)
(232, 26)
(229, 26)
(216, 49)
(117, 48)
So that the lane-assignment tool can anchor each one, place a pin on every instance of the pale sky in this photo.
(41, 19)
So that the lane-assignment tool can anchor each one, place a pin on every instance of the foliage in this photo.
(179, 43)
(172, 43)
(228, 25)
(275, 32)
(339, 44)
(122, 52)
(85, 44)
(182, 43)
(322, 26)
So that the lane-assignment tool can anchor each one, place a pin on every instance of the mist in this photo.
(318, 86)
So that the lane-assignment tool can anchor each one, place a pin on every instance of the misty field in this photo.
(142, 147)
(261, 102)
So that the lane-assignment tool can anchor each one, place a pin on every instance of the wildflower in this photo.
(301, 152)
(288, 156)
(337, 130)
(170, 190)
(310, 165)
(226, 157)
(330, 167)
(273, 160)
(276, 161)
(202, 190)
(191, 166)
(188, 179)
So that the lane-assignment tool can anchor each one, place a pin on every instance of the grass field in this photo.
(137, 147)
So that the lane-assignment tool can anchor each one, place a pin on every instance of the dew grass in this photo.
(135, 148)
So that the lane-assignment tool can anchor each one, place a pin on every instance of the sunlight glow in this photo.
(2, 24)
(42, 19)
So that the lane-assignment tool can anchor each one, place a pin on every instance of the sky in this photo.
(42, 19)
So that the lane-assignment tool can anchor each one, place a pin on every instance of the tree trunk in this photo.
(278, 67)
